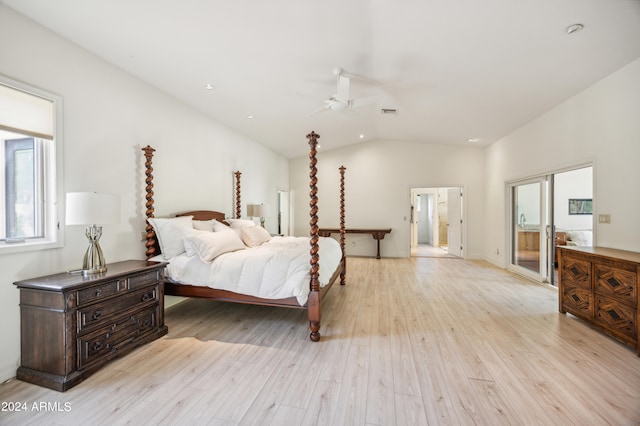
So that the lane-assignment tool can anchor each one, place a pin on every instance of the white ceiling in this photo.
(454, 69)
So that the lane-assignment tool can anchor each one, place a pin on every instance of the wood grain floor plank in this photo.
(323, 404)
(351, 408)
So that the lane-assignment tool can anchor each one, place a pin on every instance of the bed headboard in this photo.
(204, 215)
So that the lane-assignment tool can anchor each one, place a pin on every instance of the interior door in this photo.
(454, 218)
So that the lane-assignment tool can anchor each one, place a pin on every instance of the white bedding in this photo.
(277, 269)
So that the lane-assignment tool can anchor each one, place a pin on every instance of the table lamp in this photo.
(92, 210)
(256, 210)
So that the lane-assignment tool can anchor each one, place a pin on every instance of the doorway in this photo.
(436, 222)
(545, 212)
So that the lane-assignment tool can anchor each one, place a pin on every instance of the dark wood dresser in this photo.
(600, 285)
(72, 325)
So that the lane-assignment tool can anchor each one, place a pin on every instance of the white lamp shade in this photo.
(255, 210)
(91, 208)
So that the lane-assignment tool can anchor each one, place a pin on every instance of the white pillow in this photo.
(170, 233)
(581, 238)
(219, 226)
(209, 245)
(253, 236)
(204, 225)
(240, 223)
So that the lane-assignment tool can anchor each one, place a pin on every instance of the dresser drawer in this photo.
(144, 279)
(96, 346)
(615, 282)
(617, 317)
(578, 301)
(576, 271)
(95, 315)
(98, 292)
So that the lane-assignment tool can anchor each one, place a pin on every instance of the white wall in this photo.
(572, 184)
(108, 116)
(598, 125)
(378, 182)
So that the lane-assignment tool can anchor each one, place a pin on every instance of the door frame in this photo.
(422, 189)
(552, 208)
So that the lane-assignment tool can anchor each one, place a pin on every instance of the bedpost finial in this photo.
(313, 137)
(148, 151)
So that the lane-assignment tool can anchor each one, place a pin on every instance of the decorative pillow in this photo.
(240, 223)
(253, 236)
(170, 233)
(204, 225)
(209, 245)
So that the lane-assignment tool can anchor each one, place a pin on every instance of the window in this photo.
(31, 158)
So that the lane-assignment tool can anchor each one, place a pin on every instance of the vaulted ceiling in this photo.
(453, 70)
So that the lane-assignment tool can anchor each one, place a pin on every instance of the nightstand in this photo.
(71, 325)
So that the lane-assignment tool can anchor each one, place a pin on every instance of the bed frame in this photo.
(316, 294)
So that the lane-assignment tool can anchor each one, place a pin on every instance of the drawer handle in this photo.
(97, 346)
(146, 297)
(96, 315)
(146, 323)
(98, 292)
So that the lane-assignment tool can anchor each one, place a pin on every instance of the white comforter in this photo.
(277, 269)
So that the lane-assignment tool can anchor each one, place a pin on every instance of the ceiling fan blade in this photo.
(319, 111)
(343, 89)
(360, 102)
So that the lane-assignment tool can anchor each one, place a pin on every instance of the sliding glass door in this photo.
(530, 228)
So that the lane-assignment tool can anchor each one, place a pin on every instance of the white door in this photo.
(454, 219)
(425, 221)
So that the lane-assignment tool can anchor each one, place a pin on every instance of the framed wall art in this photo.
(580, 206)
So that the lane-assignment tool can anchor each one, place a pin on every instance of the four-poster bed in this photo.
(316, 289)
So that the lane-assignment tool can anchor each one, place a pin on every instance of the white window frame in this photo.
(53, 184)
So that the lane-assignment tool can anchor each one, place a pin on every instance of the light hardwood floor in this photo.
(406, 342)
(426, 250)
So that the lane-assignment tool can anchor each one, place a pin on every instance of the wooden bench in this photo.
(377, 234)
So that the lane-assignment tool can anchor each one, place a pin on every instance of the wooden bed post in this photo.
(151, 235)
(342, 227)
(238, 204)
(313, 304)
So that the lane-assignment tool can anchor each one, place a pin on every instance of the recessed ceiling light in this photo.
(473, 140)
(361, 136)
(209, 86)
(250, 117)
(574, 28)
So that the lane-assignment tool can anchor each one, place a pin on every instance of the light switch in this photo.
(604, 218)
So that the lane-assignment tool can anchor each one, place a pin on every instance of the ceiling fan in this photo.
(340, 101)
